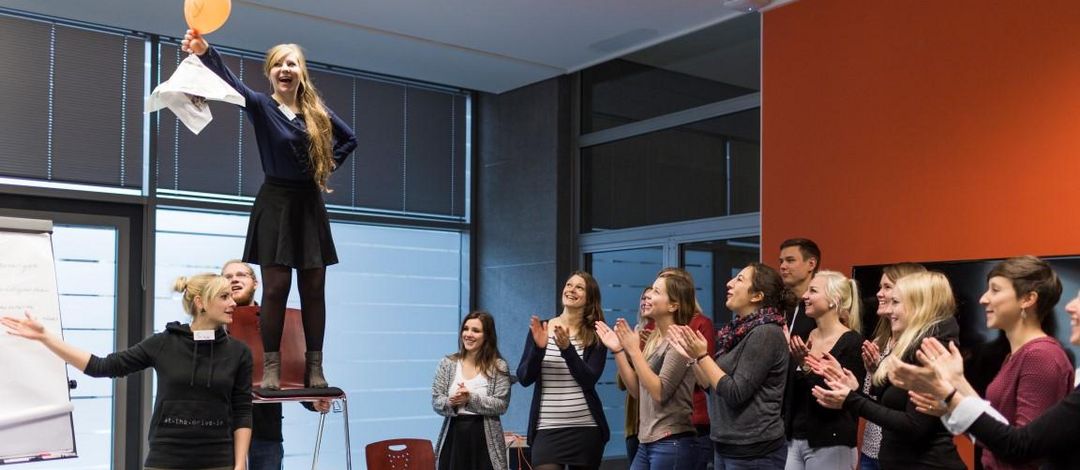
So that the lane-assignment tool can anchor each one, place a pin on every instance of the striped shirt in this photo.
(562, 402)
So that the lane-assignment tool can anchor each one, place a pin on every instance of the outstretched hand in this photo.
(539, 332)
(194, 43)
(26, 327)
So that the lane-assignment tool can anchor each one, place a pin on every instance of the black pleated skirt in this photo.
(578, 446)
(289, 226)
(465, 447)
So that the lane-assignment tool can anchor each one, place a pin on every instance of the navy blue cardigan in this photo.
(585, 370)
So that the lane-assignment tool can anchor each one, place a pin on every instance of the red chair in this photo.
(400, 454)
(245, 327)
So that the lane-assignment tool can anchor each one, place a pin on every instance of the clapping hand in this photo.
(827, 366)
(629, 340)
(691, 341)
(947, 363)
(460, 397)
(562, 337)
(608, 337)
(539, 332)
(799, 349)
(840, 384)
(927, 404)
(871, 356)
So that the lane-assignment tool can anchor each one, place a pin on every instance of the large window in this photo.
(705, 169)
(393, 307)
(72, 101)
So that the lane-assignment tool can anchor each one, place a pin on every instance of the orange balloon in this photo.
(205, 16)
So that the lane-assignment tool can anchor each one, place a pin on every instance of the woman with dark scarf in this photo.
(747, 378)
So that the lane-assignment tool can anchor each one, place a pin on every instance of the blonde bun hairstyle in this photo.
(205, 286)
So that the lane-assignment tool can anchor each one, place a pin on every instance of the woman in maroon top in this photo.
(1019, 300)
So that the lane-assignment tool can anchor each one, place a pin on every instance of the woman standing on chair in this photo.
(300, 143)
(202, 412)
(472, 389)
(564, 356)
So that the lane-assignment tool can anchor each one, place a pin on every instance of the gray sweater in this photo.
(746, 403)
(490, 407)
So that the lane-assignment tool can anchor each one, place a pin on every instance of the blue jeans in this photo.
(867, 463)
(774, 461)
(672, 453)
(703, 452)
(265, 455)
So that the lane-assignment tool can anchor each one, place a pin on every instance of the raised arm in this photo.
(195, 44)
(627, 378)
(532, 358)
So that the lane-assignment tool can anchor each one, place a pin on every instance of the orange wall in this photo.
(922, 130)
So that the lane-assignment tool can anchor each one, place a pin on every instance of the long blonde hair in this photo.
(205, 286)
(844, 294)
(928, 300)
(893, 272)
(316, 119)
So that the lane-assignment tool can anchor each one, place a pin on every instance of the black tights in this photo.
(277, 280)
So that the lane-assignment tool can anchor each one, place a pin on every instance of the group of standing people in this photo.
(786, 381)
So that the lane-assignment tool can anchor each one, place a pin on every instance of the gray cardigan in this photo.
(747, 402)
(490, 407)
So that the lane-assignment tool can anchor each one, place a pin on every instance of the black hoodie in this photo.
(203, 394)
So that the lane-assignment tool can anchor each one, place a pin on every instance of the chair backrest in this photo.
(245, 327)
(400, 454)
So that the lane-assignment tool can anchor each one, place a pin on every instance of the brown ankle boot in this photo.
(313, 372)
(271, 378)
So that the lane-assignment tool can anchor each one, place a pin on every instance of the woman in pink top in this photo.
(1019, 300)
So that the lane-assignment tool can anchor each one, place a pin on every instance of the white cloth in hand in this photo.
(186, 93)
